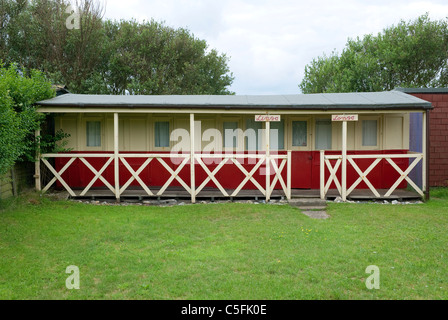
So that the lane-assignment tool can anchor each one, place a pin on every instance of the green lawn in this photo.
(222, 251)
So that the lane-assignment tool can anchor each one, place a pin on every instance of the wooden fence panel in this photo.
(16, 180)
(6, 187)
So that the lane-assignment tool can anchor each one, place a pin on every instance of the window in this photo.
(252, 135)
(93, 133)
(230, 134)
(162, 134)
(323, 134)
(299, 133)
(277, 135)
(369, 133)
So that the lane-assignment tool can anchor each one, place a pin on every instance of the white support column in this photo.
(288, 175)
(268, 161)
(37, 163)
(424, 135)
(192, 161)
(116, 158)
(322, 174)
(344, 161)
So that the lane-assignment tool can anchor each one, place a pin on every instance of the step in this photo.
(315, 208)
(308, 203)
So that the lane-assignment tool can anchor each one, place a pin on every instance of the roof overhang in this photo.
(311, 103)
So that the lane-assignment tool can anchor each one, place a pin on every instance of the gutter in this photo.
(424, 106)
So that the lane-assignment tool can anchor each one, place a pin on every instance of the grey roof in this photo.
(319, 101)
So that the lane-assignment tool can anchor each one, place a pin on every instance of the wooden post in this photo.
(37, 163)
(192, 161)
(116, 158)
(14, 181)
(344, 161)
(288, 175)
(268, 162)
(322, 174)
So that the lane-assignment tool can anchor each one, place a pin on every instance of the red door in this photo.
(301, 169)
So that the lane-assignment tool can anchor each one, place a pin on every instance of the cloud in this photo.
(270, 42)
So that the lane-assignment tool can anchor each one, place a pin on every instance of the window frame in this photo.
(152, 135)
(285, 130)
(316, 119)
(84, 131)
(240, 145)
(234, 138)
(309, 131)
(360, 145)
(260, 136)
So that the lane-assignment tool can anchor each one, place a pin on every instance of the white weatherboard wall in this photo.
(136, 131)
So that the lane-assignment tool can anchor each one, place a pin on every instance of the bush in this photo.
(19, 91)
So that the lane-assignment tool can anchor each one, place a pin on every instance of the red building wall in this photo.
(438, 137)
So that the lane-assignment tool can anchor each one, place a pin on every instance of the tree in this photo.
(410, 54)
(151, 58)
(19, 90)
(109, 57)
(38, 37)
(10, 12)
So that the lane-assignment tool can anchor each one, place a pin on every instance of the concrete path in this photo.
(314, 208)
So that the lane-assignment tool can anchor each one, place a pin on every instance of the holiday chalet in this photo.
(202, 146)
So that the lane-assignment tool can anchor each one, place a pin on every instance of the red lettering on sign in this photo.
(336, 117)
(267, 117)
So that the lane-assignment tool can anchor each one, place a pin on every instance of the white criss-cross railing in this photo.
(72, 157)
(122, 158)
(161, 159)
(325, 162)
(183, 159)
(259, 160)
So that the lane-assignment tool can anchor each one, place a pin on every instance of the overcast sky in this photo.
(269, 42)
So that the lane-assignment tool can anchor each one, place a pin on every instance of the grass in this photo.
(222, 251)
